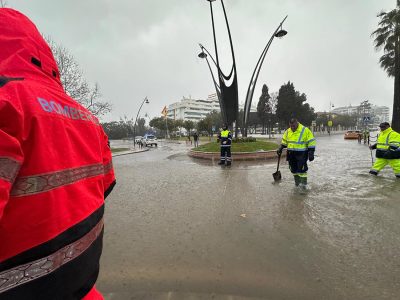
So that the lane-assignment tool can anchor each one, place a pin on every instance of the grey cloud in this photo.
(149, 48)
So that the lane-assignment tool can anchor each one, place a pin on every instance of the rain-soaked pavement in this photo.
(179, 228)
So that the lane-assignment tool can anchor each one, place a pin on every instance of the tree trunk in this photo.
(396, 97)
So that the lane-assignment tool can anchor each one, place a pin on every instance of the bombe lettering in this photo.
(45, 105)
(74, 113)
(66, 111)
(56, 107)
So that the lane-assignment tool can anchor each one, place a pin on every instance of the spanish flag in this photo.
(164, 111)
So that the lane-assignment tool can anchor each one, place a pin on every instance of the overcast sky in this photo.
(134, 49)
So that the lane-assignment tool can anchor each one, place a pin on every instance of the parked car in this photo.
(352, 135)
(149, 140)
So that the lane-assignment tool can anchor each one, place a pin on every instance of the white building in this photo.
(252, 108)
(192, 109)
(195, 109)
(378, 114)
(381, 114)
(346, 110)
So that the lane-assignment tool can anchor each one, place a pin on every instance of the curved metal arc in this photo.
(257, 69)
(215, 64)
(212, 75)
(227, 77)
(220, 73)
(214, 35)
(233, 69)
(228, 93)
(231, 43)
(253, 80)
(232, 92)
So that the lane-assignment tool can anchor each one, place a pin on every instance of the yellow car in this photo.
(352, 135)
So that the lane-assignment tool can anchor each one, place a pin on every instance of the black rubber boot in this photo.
(228, 163)
(303, 183)
(221, 163)
(296, 180)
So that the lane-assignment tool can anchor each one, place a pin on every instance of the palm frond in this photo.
(381, 14)
(383, 30)
(387, 37)
(387, 62)
(381, 40)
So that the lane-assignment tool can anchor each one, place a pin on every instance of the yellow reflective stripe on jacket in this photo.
(300, 140)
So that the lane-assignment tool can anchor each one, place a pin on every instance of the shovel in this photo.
(372, 157)
(277, 175)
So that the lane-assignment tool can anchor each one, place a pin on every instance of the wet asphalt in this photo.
(183, 228)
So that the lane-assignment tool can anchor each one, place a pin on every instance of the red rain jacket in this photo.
(55, 172)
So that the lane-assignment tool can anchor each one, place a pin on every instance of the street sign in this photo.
(314, 123)
(367, 119)
(164, 111)
(213, 128)
(330, 123)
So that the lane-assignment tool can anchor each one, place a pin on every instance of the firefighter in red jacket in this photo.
(55, 172)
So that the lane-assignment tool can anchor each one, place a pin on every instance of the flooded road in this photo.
(179, 228)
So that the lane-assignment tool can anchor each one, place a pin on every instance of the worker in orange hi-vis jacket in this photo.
(55, 172)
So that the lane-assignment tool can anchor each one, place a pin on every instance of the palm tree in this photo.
(387, 36)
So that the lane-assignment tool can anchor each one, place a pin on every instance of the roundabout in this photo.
(248, 150)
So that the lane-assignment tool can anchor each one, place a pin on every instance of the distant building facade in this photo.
(195, 109)
(381, 114)
(192, 109)
(346, 110)
(377, 114)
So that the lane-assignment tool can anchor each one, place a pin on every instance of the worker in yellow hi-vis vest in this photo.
(300, 144)
(387, 150)
(225, 137)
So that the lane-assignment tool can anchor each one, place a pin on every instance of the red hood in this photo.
(20, 41)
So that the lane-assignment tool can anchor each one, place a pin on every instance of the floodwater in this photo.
(180, 228)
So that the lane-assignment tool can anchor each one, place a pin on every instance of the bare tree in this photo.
(98, 108)
(74, 82)
(273, 101)
(3, 3)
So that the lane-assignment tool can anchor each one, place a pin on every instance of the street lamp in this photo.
(279, 33)
(204, 54)
(145, 100)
